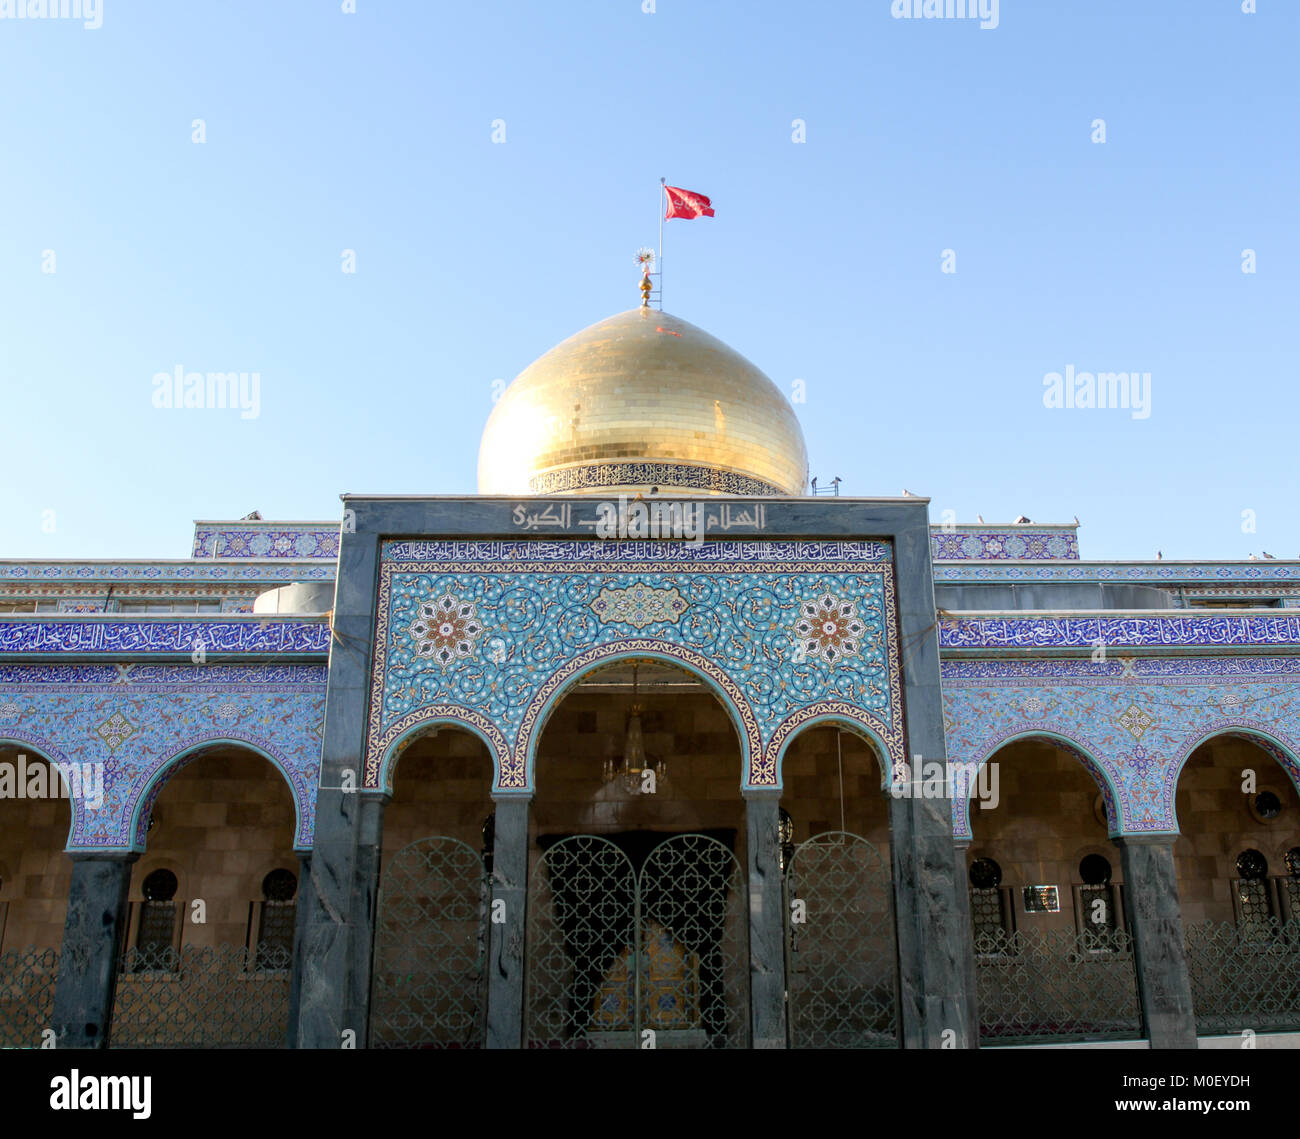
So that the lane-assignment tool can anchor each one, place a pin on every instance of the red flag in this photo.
(687, 204)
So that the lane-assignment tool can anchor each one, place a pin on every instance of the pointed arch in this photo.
(51, 754)
(564, 679)
(301, 790)
(1058, 738)
(1265, 737)
(435, 716)
(872, 731)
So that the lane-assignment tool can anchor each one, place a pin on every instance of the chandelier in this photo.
(636, 772)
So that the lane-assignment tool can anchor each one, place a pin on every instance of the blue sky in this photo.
(372, 131)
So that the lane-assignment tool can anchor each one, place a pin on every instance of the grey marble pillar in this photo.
(961, 890)
(92, 945)
(508, 923)
(907, 922)
(1155, 924)
(299, 921)
(933, 927)
(326, 924)
(365, 901)
(326, 1009)
(936, 963)
(767, 919)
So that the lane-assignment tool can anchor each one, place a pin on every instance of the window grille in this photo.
(273, 918)
(1097, 924)
(155, 924)
(988, 911)
(1288, 888)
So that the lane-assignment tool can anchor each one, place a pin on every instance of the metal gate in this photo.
(431, 929)
(841, 952)
(621, 959)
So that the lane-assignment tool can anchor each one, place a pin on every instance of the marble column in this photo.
(933, 925)
(365, 902)
(961, 890)
(507, 918)
(1155, 924)
(767, 919)
(327, 1009)
(92, 944)
(299, 921)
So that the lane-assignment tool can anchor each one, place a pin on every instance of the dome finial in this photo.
(646, 259)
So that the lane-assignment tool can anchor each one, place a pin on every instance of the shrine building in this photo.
(648, 744)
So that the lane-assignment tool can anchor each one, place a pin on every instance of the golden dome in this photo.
(642, 400)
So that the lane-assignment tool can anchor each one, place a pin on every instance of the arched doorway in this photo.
(841, 947)
(213, 906)
(428, 974)
(1053, 958)
(637, 920)
(1238, 865)
(35, 818)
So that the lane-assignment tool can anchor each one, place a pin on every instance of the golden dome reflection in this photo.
(642, 400)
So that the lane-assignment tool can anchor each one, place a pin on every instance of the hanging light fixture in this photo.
(632, 767)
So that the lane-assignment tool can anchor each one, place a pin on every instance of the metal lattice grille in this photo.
(27, 979)
(988, 911)
(618, 959)
(1290, 887)
(694, 944)
(1056, 984)
(842, 953)
(1255, 909)
(582, 977)
(1245, 976)
(1099, 910)
(157, 932)
(218, 997)
(428, 980)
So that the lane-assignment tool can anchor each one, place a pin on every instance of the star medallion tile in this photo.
(1136, 720)
(115, 731)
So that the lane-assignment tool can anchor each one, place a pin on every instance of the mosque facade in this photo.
(647, 744)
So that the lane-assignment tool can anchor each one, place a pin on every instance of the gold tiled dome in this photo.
(642, 400)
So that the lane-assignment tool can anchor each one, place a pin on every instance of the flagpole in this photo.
(662, 192)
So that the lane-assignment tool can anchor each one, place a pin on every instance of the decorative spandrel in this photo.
(489, 634)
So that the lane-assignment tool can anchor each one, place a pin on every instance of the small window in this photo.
(155, 937)
(1268, 805)
(1094, 869)
(1290, 885)
(988, 908)
(985, 874)
(275, 921)
(1252, 865)
(1254, 898)
(1098, 904)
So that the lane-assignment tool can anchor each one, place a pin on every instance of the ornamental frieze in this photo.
(135, 725)
(1131, 723)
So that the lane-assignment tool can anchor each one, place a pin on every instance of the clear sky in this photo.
(373, 132)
